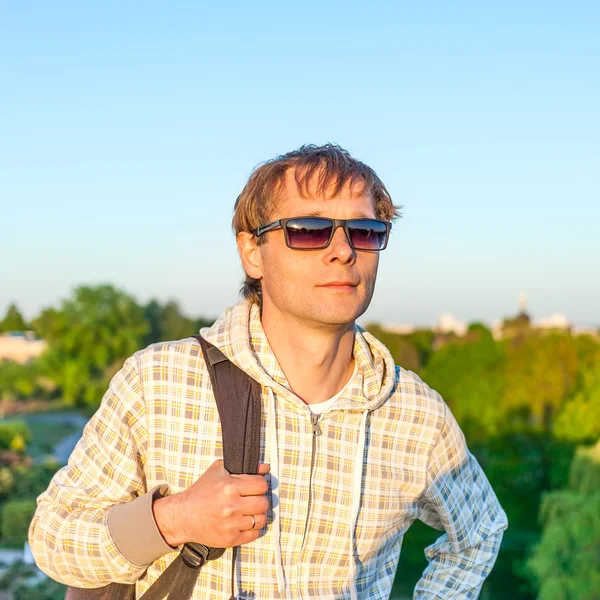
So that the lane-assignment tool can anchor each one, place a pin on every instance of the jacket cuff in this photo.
(134, 529)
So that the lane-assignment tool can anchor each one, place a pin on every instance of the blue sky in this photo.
(127, 130)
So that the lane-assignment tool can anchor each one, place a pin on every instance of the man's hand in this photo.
(216, 510)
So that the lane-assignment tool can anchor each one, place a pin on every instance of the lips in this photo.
(339, 284)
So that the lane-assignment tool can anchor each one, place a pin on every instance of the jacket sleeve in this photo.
(458, 499)
(94, 524)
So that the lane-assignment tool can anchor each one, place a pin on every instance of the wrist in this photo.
(166, 515)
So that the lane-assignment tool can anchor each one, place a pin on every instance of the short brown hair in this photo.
(331, 164)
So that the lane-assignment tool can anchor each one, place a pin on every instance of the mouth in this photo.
(339, 285)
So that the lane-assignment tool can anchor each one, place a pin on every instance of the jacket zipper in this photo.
(314, 419)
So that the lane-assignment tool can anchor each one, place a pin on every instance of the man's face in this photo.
(305, 284)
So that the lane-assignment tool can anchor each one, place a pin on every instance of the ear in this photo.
(250, 254)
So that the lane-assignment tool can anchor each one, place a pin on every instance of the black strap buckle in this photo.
(195, 557)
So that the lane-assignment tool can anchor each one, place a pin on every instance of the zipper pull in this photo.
(315, 424)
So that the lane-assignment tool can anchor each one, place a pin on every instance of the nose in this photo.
(340, 248)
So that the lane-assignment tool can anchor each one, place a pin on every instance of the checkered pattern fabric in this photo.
(158, 423)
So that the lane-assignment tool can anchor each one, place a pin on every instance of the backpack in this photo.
(238, 399)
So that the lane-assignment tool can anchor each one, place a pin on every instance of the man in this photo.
(353, 448)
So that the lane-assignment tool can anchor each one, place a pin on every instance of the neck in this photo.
(317, 362)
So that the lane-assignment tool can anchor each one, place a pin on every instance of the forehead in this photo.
(314, 199)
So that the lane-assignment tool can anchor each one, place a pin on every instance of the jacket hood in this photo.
(238, 333)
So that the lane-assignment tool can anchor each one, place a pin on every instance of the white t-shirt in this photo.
(321, 407)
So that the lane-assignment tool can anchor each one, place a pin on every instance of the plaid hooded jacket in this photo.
(342, 493)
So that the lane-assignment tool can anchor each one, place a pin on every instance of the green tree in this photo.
(13, 320)
(566, 562)
(469, 375)
(168, 322)
(579, 421)
(19, 381)
(203, 322)
(542, 371)
(153, 315)
(174, 324)
(405, 353)
(90, 336)
(422, 340)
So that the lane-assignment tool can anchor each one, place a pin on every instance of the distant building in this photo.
(554, 321)
(448, 328)
(21, 346)
(497, 330)
(449, 324)
(512, 327)
(399, 328)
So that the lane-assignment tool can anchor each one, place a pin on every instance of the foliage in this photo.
(566, 563)
(169, 323)
(422, 340)
(18, 443)
(16, 517)
(90, 337)
(412, 558)
(541, 372)
(21, 381)
(44, 590)
(11, 429)
(21, 581)
(20, 476)
(469, 375)
(521, 467)
(13, 320)
(579, 420)
(7, 481)
(408, 351)
(29, 481)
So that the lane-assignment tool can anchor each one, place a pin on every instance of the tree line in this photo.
(89, 336)
(529, 405)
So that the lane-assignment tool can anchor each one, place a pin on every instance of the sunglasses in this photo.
(315, 233)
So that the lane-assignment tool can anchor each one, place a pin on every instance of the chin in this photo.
(339, 315)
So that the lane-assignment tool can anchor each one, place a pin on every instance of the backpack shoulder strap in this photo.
(238, 400)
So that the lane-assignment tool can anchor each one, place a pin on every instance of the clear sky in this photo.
(127, 130)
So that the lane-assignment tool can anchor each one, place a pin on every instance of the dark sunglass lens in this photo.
(367, 234)
(308, 234)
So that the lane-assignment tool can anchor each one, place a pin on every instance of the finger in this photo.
(248, 536)
(259, 522)
(254, 505)
(249, 523)
(263, 468)
(251, 485)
